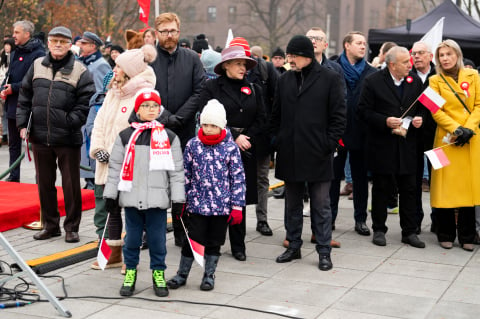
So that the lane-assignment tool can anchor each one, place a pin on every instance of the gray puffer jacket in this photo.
(150, 189)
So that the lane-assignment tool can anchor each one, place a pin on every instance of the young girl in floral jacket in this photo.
(215, 192)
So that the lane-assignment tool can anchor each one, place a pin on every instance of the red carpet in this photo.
(19, 204)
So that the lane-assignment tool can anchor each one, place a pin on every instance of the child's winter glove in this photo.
(235, 217)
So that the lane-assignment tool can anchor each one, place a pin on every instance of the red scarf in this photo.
(160, 153)
(211, 139)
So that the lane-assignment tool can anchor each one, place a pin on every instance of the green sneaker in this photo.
(393, 210)
(159, 283)
(129, 283)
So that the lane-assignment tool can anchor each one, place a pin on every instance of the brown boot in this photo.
(115, 259)
(347, 189)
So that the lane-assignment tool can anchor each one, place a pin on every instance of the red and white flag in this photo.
(144, 10)
(197, 249)
(104, 251)
(431, 100)
(437, 158)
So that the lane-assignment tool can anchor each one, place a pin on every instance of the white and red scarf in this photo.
(161, 157)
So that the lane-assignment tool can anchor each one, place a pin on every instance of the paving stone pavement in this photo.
(367, 281)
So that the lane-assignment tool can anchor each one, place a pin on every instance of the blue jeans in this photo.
(155, 222)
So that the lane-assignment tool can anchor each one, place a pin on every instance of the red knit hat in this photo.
(239, 41)
(147, 95)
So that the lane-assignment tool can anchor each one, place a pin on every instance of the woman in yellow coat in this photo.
(456, 186)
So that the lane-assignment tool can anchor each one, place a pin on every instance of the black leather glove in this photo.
(174, 122)
(463, 135)
(102, 156)
(110, 206)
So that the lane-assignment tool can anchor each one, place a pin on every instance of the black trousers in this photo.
(237, 234)
(14, 147)
(68, 158)
(320, 214)
(338, 173)
(359, 170)
(382, 189)
(447, 228)
(209, 231)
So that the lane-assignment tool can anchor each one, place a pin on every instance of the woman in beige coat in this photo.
(456, 186)
(132, 73)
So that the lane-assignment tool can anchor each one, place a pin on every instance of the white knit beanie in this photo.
(214, 113)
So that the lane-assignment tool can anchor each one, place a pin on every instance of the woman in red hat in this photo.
(245, 118)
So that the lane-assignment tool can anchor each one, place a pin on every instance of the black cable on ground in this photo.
(20, 293)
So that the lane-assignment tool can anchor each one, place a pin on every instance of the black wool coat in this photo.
(308, 119)
(388, 153)
(245, 111)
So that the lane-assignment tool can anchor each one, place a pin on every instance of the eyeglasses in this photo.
(291, 56)
(167, 32)
(150, 107)
(414, 53)
(315, 38)
(59, 41)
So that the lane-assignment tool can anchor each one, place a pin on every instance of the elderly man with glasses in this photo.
(54, 108)
(180, 76)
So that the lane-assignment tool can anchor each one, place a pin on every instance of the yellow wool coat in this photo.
(458, 184)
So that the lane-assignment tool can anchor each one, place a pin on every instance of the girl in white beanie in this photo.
(215, 191)
(132, 73)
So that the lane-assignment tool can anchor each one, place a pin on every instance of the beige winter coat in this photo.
(113, 118)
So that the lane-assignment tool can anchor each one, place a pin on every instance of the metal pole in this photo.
(29, 272)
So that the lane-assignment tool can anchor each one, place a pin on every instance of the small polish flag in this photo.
(431, 100)
(104, 252)
(437, 158)
(198, 251)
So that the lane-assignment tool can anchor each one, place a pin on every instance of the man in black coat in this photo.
(356, 69)
(180, 76)
(391, 142)
(27, 50)
(308, 118)
(423, 66)
(54, 98)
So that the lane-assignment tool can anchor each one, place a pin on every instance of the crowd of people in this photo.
(165, 126)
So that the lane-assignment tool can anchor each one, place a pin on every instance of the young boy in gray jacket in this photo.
(145, 176)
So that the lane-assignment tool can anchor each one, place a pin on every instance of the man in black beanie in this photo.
(308, 119)
(278, 60)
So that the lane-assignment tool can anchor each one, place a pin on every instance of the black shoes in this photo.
(159, 283)
(379, 238)
(12, 179)
(129, 281)
(45, 234)
(325, 263)
(413, 240)
(289, 255)
(264, 229)
(362, 228)
(72, 237)
(239, 256)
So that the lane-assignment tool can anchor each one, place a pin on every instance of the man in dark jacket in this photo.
(308, 119)
(423, 66)
(355, 69)
(56, 107)
(391, 141)
(180, 76)
(27, 50)
(320, 44)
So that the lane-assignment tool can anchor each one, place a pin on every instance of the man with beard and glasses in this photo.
(180, 76)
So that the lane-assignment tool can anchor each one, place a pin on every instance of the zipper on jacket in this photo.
(48, 110)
